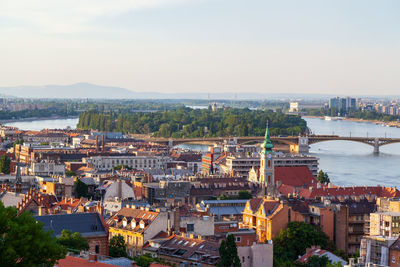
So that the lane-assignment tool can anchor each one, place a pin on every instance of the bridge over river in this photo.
(299, 144)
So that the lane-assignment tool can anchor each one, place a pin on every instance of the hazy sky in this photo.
(281, 46)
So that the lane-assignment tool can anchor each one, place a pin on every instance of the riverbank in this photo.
(31, 119)
(376, 122)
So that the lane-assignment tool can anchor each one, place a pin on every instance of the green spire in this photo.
(267, 145)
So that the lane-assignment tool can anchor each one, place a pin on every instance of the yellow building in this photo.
(137, 226)
(268, 216)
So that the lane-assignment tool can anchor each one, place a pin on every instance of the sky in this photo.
(227, 46)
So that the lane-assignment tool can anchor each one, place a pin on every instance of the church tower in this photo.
(267, 165)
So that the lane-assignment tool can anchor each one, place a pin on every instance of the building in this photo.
(138, 226)
(107, 163)
(60, 187)
(47, 168)
(196, 225)
(184, 250)
(207, 163)
(166, 191)
(223, 210)
(256, 255)
(394, 254)
(294, 107)
(352, 223)
(268, 216)
(241, 164)
(375, 250)
(385, 223)
(90, 225)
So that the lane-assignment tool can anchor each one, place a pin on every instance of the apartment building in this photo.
(107, 163)
(385, 223)
(241, 164)
(137, 226)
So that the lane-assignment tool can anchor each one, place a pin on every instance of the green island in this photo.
(185, 122)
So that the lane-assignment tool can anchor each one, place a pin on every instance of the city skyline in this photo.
(178, 46)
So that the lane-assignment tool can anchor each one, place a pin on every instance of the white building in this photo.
(294, 107)
(107, 163)
(242, 164)
(47, 168)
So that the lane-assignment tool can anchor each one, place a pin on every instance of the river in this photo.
(352, 163)
(346, 162)
(37, 125)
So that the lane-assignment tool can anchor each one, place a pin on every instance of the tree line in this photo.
(187, 122)
(354, 113)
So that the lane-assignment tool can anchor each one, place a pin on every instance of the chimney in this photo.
(97, 143)
(92, 257)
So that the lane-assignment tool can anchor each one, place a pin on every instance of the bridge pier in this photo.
(376, 146)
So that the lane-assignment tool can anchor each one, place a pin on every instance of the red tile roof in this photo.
(313, 251)
(255, 203)
(335, 192)
(270, 206)
(295, 176)
(79, 262)
(158, 265)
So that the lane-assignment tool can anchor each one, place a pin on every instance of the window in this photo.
(97, 249)
(190, 227)
(238, 239)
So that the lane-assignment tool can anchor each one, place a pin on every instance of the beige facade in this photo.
(256, 255)
(106, 163)
(385, 224)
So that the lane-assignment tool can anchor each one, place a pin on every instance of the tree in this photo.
(228, 253)
(81, 189)
(243, 194)
(323, 177)
(5, 164)
(293, 241)
(73, 240)
(317, 261)
(117, 247)
(23, 241)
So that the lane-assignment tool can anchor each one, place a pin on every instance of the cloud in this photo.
(68, 16)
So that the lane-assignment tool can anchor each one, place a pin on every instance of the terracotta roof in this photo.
(295, 176)
(337, 192)
(314, 251)
(158, 265)
(255, 203)
(270, 206)
(131, 215)
(79, 262)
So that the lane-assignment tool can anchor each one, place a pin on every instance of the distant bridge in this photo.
(297, 143)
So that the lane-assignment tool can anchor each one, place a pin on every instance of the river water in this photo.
(347, 163)
(37, 125)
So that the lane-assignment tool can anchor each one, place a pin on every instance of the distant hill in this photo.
(87, 90)
(78, 90)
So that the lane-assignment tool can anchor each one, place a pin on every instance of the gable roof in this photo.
(255, 203)
(88, 224)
